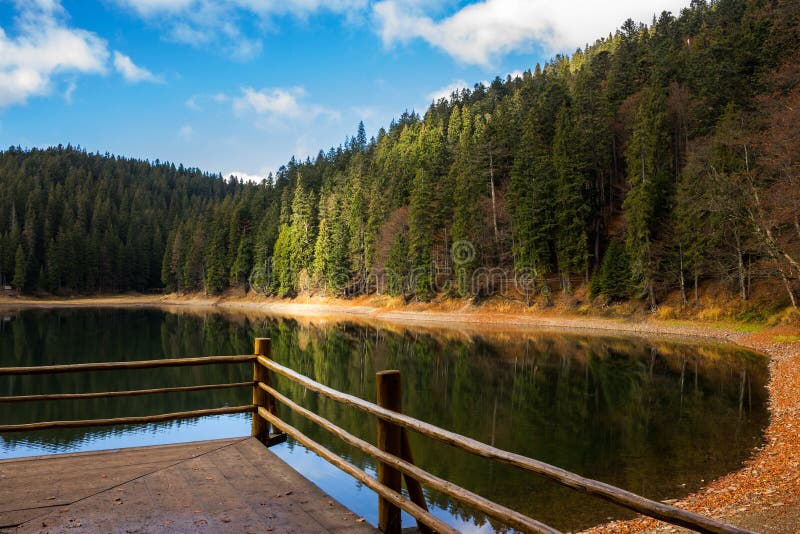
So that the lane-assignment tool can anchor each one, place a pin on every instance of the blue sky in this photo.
(239, 86)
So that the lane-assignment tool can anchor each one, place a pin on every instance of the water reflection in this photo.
(650, 416)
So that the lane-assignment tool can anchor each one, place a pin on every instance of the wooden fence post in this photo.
(389, 440)
(260, 397)
(393, 439)
(412, 484)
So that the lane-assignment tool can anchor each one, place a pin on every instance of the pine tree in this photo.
(215, 271)
(243, 264)
(331, 250)
(397, 266)
(20, 270)
(614, 278)
(531, 202)
(467, 217)
(302, 233)
(420, 235)
(572, 207)
(283, 281)
(647, 158)
(7, 254)
(360, 140)
(171, 263)
(356, 218)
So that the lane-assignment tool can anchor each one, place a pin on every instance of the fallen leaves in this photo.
(770, 479)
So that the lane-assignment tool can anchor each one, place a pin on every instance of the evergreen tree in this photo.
(466, 229)
(20, 270)
(420, 235)
(532, 203)
(283, 282)
(614, 278)
(397, 266)
(572, 207)
(301, 232)
(647, 158)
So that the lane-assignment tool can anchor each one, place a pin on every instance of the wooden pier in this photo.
(231, 485)
(239, 486)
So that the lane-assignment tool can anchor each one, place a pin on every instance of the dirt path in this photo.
(764, 495)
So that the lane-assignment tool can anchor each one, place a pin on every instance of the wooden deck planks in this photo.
(29, 484)
(218, 486)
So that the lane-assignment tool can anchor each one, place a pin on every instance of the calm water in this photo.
(657, 418)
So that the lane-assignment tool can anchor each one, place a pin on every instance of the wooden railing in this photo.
(392, 453)
(394, 458)
(121, 366)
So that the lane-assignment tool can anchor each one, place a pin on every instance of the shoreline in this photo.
(763, 494)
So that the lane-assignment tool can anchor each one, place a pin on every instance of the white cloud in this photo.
(186, 34)
(42, 48)
(457, 85)
(192, 103)
(244, 48)
(222, 23)
(149, 8)
(186, 132)
(132, 72)
(69, 91)
(270, 101)
(152, 7)
(481, 32)
(247, 177)
(197, 102)
(275, 103)
(447, 90)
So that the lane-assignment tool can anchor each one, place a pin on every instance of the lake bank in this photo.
(762, 495)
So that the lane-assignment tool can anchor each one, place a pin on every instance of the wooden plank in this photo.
(113, 366)
(47, 425)
(273, 497)
(30, 486)
(233, 485)
(73, 482)
(305, 496)
(128, 393)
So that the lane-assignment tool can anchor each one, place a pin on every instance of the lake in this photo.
(656, 417)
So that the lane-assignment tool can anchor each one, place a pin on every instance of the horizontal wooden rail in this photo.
(396, 498)
(130, 393)
(112, 366)
(510, 517)
(658, 510)
(47, 425)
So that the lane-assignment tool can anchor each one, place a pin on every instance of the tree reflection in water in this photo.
(655, 417)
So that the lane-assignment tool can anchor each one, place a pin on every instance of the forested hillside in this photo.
(77, 222)
(658, 158)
